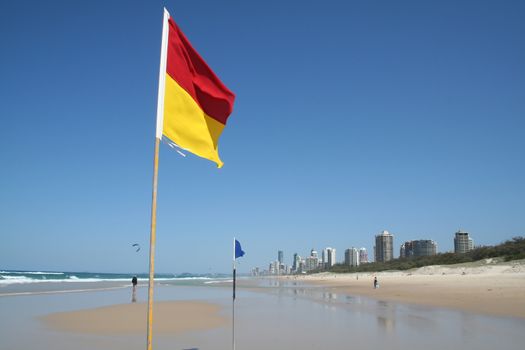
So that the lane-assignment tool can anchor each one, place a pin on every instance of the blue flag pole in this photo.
(237, 253)
(233, 300)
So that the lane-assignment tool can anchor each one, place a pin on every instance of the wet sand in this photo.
(171, 317)
(270, 313)
(492, 289)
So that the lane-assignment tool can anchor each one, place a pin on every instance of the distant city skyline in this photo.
(355, 256)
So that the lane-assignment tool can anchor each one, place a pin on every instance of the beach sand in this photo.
(271, 313)
(488, 288)
(171, 317)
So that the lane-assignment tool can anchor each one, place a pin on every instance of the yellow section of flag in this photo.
(186, 124)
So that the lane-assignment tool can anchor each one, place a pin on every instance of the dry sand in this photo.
(170, 318)
(489, 288)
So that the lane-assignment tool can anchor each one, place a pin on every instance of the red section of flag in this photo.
(191, 72)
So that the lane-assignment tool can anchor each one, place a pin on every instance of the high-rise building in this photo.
(295, 263)
(352, 257)
(462, 242)
(302, 266)
(425, 247)
(311, 262)
(274, 268)
(422, 247)
(330, 257)
(347, 256)
(280, 256)
(406, 250)
(363, 256)
(384, 248)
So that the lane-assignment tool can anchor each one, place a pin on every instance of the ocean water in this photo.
(14, 282)
(14, 276)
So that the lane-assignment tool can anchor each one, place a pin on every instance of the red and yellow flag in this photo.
(193, 103)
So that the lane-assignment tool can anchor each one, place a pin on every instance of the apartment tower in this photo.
(384, 248)
(462, 242)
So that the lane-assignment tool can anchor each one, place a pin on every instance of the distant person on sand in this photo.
(134, 283)
(376, 284)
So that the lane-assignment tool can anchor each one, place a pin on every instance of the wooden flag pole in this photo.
(158, 134)
(152, 243)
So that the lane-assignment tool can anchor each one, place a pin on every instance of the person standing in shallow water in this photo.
(375, 282)
(133, 293)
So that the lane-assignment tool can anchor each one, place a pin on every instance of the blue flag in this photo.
(238, 250)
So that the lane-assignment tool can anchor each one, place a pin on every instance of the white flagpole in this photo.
(153, 228)
(233, 301)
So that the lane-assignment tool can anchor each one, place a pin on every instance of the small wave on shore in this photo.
(8, 277)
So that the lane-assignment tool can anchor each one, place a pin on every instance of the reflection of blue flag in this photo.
(238, 250)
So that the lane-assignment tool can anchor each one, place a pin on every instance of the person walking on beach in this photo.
(375, 282)
(134, 283)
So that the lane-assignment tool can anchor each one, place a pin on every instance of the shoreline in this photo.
(496, 289)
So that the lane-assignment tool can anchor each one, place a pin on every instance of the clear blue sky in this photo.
(351, 117)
